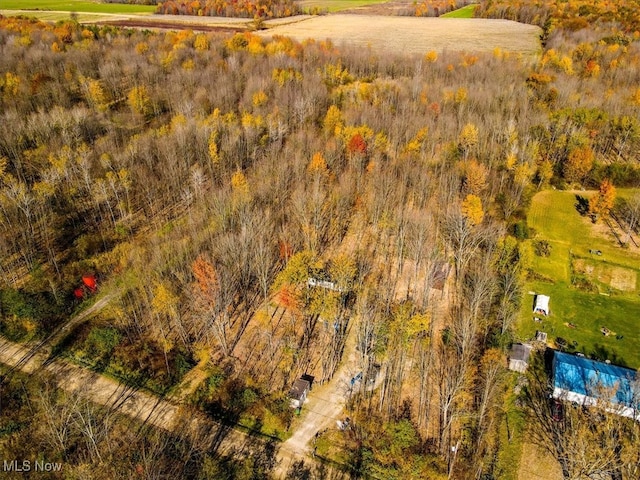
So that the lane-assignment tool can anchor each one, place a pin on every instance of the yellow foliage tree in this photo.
(468, 137)
(343, 270)
(240, 187)
(317, 164)
(578, 164)
(335, 75)
(96, 95)
(545, 172)
(522, 174)
(201, 42)
(142, 48)
(259, 98)
(213, 147)
(461, 95)
(472, 209)
(139, 101)
(418, 325)
(333, 120)
(475, 177)
(164, 301)
(431, 56)
(417, 142)
(11, 84)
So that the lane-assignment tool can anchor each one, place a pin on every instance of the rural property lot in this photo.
(415, 35)
(588, 291)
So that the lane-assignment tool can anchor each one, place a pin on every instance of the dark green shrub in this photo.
(521, 230)
(542, 248)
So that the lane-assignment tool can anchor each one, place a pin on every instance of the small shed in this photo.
(542, 305)
(519, 357)
(298, 393)
(541, 336)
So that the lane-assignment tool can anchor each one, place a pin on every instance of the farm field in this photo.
(87, 6)
(415, 35)
(464, 12)
(82, 17)
(336, 5)
(589, 292)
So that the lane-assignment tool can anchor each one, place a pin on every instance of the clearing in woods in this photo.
(591, 279)
(415, 35)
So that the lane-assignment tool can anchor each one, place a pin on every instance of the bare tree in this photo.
(630, 212)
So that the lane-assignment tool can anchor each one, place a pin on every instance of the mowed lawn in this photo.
(611, 298)
(75, 6)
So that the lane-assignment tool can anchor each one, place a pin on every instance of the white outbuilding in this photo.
(542, 305)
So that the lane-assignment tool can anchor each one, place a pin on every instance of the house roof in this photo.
(299, 388)
(520, 351)
(595, 380)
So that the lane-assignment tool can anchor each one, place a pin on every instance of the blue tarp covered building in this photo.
(586, 381)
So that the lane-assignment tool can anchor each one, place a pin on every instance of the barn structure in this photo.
(587, 382)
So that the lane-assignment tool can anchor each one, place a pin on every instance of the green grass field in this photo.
(335, 5)
(587, 291)
(464, 12)
(75, 6)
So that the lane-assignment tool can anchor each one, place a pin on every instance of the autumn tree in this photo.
(544, 173)
(357, 145)
(139, 100)
(212, 314)
(578, 164)
(468, 139)
(475, 177)
(472, 209)
(600, 205)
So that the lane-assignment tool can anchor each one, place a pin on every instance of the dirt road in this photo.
(137, 404)
(323, 408)
(152, 410)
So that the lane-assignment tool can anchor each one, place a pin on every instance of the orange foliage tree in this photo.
(357, 145)
(600, 205)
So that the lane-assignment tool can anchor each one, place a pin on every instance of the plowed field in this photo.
(415, 35)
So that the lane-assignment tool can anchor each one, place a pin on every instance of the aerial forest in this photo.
(257, 209)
